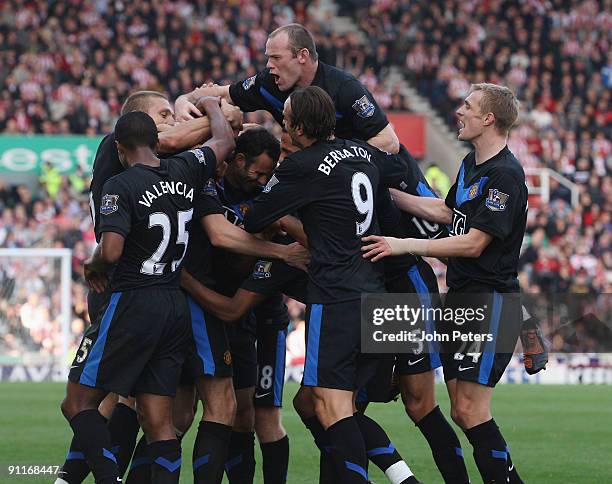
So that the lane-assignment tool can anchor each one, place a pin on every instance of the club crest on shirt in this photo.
(262, 269)
(496, 201)
(247, 83)
(364, 107)
(473, 191)
(109, 204)
(199, 154)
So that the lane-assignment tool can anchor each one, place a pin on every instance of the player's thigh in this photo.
(245, 411)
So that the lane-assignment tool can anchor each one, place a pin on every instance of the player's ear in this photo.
(489, 119)
(239, 159)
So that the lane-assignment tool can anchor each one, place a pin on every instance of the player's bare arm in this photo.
(432, 209)
(107, 254)
(226, 235)
(294, 227)
(225, 308)
(469, 245)
(386, 140)
(222, 142)
(185, 105)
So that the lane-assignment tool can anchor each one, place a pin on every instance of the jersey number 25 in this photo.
(152, 266)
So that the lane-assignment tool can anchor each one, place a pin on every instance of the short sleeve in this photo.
(246, 95)
(356, 104)
(203, 162)
(283, 194)
(206, 203)
(115, 208)
(450, 197)
(503, 199)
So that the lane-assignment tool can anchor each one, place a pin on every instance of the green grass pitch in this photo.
(557, 434)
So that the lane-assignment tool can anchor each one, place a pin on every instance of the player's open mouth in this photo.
(460, 125)
(276, 78)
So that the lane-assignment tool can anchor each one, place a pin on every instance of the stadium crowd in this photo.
(65, 67)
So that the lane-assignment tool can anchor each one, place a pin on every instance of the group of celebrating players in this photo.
(201, 233)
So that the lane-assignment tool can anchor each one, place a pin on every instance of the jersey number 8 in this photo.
(152, 266)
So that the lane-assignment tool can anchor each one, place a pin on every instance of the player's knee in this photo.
(463, 411)
(302, 402)
(245, 418)
(183, 417)
(68, 408)
(418, 405)
(268, 425)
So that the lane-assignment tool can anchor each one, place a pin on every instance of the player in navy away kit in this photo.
(123, 424)
(136, 347)
(487, 207)
(292, 63)
(332, 185)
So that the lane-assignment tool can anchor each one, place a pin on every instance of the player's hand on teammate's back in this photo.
(96, 281)
(379, 247)
(297, 256)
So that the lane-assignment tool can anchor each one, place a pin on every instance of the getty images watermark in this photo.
(477, 323)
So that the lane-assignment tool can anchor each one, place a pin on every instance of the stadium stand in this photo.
(65, 67)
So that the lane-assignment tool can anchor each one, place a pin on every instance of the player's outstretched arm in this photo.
(468, 245)
(432, 209)
(226, 235)
(225, 308)
(194, 132)
(222, 142)
(386, 140)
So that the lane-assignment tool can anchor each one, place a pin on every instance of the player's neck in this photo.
(143, 155)
(308, 74)
(487, 145)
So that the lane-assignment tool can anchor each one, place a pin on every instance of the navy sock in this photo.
(445, 447)
(93, 438)
(382, 452)
(123, 427)
(327, 467)
(489, 452)
(75, 468)
(275, 461)
(210, 452)
(349, 451)
(512, 472)
(140, 468)
(165, 458)
(240, 464)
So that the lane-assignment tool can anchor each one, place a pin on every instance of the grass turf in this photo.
(556, 434)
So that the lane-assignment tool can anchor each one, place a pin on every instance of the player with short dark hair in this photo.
(137, 345)
(487, 210)
(293, 63)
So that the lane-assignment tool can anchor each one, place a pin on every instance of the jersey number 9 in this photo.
(364, 205)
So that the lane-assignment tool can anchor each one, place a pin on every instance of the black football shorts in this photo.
(137, 344)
